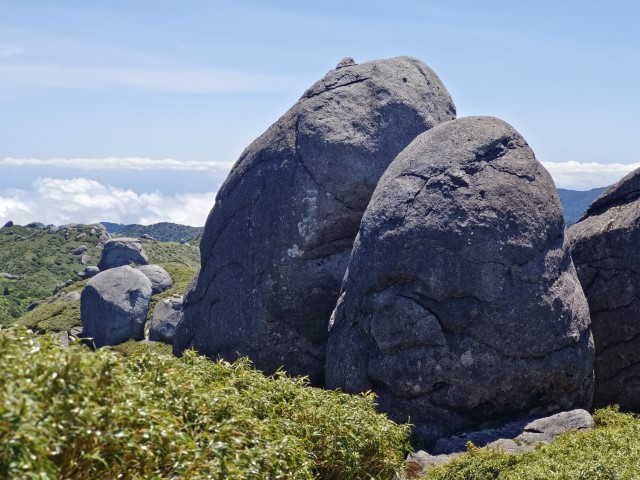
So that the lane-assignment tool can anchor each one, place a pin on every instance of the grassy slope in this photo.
(44, 260)
(72, 413)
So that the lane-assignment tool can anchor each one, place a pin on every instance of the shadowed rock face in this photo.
(166, 315)
(605, 247)
(277, 241)
(114, 306)
(461, 304)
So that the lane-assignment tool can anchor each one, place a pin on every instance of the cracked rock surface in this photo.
(277, 241)
(461, 304)
(604, 244)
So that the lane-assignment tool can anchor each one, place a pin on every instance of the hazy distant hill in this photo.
(163, 231)
(575, 202)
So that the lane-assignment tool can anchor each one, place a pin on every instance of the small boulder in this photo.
(114, 306)
(80, 250)
(34, 305)
(61, 286)
(61, 338)
(8, 224)
(160, 279)
(9, 276)
(76, 331)
(53, 229)
(88, 272)
(346, 62)
(122, 251)
(166, 316)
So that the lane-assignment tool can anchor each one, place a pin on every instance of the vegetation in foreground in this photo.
(72, 413)
(609, 452)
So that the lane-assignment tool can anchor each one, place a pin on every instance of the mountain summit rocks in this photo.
(604, 245)
(277, 241)
(461, 304)
(122, 251)
(114, 306)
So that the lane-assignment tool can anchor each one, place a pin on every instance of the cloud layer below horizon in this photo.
(585, 176)
(84, 196)
(82, 200)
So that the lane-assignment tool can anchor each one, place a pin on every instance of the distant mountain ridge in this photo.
(575, 202)
(163, 231)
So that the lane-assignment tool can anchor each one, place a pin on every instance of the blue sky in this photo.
(197, 81)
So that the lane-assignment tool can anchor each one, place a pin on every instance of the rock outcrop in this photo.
(461, 304)
(605, 247)
(118, 252)
(516, 437)
(160, 279)
(114, 306)
(277, 241)
(166, 316)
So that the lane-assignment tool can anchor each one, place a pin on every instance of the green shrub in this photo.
(72, 413)
(171, 252)
(56, 314)
(609, 452)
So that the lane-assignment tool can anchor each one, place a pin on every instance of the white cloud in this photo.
(168, 78)
(584, 176)
(84, 200)
(114, 163)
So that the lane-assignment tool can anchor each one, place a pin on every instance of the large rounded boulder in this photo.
(461, 304)
(114, 306)
(605, 247)
(118, 252)
(277, 241)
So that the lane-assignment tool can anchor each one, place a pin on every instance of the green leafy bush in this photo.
(72, 413)
(609, 452)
